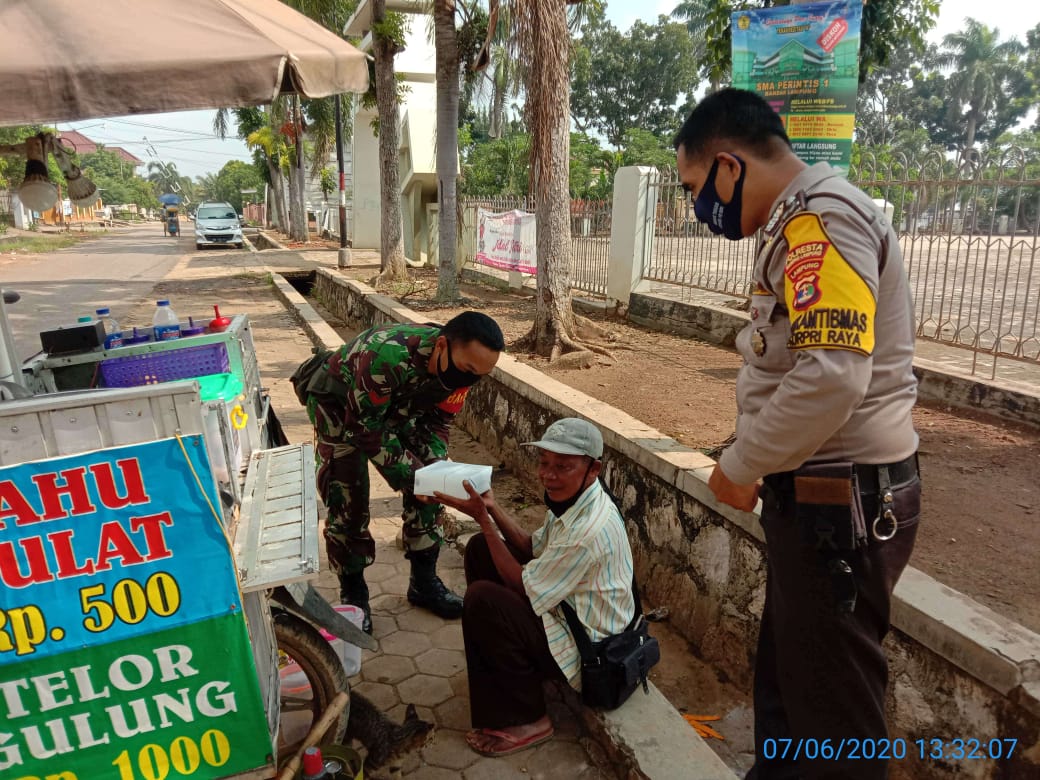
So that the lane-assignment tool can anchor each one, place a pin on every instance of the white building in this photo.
(416, 64)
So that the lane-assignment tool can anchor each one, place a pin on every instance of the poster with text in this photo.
(507, 241)
(124, 653)
(804, 60)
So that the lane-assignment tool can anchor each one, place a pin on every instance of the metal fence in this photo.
(968, 228)
(590, 236)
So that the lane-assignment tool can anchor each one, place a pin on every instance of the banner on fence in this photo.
(507, 240)
(123, 647)
(804, 59)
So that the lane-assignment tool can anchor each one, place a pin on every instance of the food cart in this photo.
(156, 536)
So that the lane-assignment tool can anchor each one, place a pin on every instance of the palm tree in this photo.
(541, 43)
(386, 45)
(697, 14)
(446, 45)
(981, 62)
(165, 176)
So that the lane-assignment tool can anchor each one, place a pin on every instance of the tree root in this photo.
(587, 329)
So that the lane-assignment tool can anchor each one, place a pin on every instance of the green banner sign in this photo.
(179, 703)
(804, 59)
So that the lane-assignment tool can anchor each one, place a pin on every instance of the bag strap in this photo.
(581, 636)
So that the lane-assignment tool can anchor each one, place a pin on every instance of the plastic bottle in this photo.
(113, 335)
(314, 765)
(165, 325)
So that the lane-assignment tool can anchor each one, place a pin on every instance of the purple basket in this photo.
(155, 367)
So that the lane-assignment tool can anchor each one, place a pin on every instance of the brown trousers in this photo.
(507, 654)
(819, 674)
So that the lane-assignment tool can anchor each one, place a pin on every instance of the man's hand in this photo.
(729, 492)
(478, 506)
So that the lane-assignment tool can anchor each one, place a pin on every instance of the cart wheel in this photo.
(302, 703)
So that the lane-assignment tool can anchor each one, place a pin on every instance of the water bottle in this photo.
(113, 335)
(165, 325)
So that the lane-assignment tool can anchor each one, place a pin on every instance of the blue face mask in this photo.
(721, 218)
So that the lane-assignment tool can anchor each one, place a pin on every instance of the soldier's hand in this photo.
(729, 492)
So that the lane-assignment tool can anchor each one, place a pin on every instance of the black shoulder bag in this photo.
(613, 667)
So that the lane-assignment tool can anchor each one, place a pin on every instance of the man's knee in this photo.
(477, 552)
(485, 601)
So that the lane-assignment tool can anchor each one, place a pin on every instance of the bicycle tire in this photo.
(302, 643)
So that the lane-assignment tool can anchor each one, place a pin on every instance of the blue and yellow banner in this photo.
(804, 59)
(123, 649)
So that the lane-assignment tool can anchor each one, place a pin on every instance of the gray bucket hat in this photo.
(571, 436)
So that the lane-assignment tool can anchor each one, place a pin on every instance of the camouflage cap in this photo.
(571, 436)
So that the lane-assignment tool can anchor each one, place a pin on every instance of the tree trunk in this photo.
(297, 213)
(548, 117)
(277, 212)
(554, 318)
(391, 239)
(498, 101)
(969, 140)
(447, 52)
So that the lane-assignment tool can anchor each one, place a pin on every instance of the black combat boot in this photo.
(354, 590)
(425, 588)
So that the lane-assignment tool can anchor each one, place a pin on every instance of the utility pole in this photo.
(343, 258)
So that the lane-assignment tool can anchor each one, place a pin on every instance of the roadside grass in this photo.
(34, 245)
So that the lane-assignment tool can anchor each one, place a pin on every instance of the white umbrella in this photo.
(62, 60)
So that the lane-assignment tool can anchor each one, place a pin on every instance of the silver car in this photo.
(217, 224)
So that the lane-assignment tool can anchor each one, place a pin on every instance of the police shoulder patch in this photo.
(831, 305)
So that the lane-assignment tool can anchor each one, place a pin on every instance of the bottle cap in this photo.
(85, 319)
(312, 762)
(105, 310)
(163, 302)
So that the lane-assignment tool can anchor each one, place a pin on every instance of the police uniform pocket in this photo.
(764, 342)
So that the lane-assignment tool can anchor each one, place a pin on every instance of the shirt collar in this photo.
(586, 498)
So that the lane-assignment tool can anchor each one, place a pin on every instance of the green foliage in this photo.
(39, 244)
(499, 167)
(641, 147)
(393, 28)
(234, 177)
(118, 179)
(634, 79)
(328, 182)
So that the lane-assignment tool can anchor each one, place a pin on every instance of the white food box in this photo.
(446, 476)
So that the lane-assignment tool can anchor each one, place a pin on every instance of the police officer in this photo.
(388, 398)
(824, 432)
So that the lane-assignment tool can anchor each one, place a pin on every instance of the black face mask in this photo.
(559, 507)
(454, 378)
(721, 218)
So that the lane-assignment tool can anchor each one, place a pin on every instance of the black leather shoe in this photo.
(425, 588)
(354, 590)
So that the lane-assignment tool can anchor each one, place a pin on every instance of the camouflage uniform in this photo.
(375, 400)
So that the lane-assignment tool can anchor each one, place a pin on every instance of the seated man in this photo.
(516, 637)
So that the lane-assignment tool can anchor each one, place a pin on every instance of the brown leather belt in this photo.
(898, 473)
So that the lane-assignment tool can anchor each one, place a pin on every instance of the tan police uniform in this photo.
(828, 380)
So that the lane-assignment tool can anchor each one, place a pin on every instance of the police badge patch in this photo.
(758, 343)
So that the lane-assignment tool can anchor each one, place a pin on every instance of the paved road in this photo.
(117, 269)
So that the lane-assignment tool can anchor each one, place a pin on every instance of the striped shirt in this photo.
(583, 557)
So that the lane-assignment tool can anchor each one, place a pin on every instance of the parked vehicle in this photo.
(217, 224)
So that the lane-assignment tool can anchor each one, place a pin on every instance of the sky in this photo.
(187, 138)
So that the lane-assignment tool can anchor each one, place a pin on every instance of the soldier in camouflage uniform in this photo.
(389, 397)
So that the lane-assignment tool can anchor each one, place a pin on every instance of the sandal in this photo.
(515, 744)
